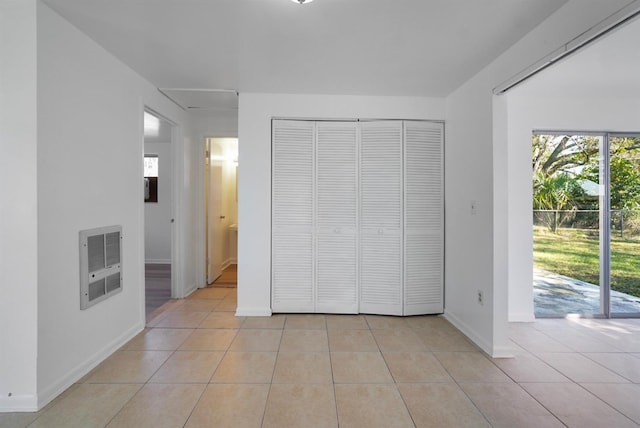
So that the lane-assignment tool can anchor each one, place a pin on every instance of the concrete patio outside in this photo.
(555, 294)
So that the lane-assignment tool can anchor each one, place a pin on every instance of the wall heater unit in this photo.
(100, 264)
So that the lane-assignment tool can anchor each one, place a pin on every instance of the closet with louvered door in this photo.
(336, 217)
(380, 245)
(292, 219)
(423, 218)
(357, 217)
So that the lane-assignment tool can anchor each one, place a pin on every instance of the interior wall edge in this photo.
(473, 335)
(47, 393)
(253, 312)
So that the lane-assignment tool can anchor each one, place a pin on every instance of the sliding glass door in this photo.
(586, 224)
(566, 224)
(624, 236)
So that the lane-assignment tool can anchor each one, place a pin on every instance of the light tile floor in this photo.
(197, 365)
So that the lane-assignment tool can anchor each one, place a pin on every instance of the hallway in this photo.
(197, 365)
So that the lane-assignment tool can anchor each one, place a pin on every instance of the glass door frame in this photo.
(605, 244)
(605, 224)
(604, 215)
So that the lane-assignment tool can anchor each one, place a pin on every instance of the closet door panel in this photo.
(292, 228)
(381, 204)
(380, 275)
(336, 217)
(423, 218)
(337, 274)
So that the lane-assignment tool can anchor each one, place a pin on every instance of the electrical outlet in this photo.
(480, 297)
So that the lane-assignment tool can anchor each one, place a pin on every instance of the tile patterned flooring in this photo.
(197, 365)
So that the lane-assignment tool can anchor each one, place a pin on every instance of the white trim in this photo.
(19, 403)
(610, 23)
(504, 351)
(177, 211)
(253, 312)
(158, 261)
(213, 90)
(187, 290)
(52, 391)
(201, 212)
(142, 311)
(522, 317)
(488, 348)
(190, 290)
(177, 195)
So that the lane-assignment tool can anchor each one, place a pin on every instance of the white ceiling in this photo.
(352, 47)
(610, 67)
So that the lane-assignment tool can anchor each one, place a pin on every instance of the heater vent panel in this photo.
(100, 264)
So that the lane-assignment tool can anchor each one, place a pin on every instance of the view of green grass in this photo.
(575, 253)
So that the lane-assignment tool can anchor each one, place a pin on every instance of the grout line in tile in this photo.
(125, 404)
(546, 331)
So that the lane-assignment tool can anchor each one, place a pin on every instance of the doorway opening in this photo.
(586, 224)
(158, 210)
(221, 211)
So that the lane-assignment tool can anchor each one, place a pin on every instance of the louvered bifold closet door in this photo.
(381, 217)
(423, 218)
(292, 220)
(336, 217)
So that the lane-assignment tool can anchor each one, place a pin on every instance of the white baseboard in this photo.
(522, 317)
(489, 349)
(188, 290)
(19, 403)
(503, 352)
(158, 261)
(253, 312)
(229, 262)
(52, 391)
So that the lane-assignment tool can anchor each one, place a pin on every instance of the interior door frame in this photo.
(209, 227)
(177, 289)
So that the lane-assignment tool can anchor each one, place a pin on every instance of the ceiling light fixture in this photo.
(302, 1)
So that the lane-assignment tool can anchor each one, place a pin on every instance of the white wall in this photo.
(213, 123)
(157, 215)
(477, 148)
(79, 84)
(18, 209)
(469, 237)
(528, 110)
(254, 181)
(90, 147)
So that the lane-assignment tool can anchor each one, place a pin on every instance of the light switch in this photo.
(474, 207)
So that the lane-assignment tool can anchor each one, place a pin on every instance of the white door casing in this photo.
(215, 232)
